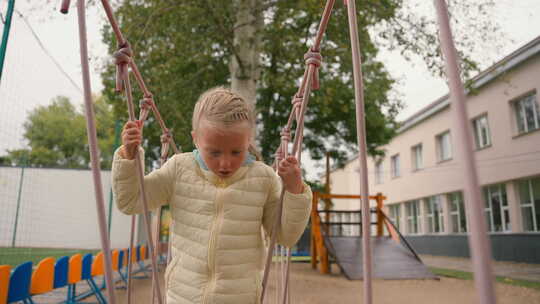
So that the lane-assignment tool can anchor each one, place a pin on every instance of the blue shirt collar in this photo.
(249, 159)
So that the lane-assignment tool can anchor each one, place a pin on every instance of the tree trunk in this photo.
(245, 67)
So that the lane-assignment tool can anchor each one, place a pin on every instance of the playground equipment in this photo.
(334, 234)
(478, 240)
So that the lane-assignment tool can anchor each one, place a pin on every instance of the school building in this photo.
(421, 176)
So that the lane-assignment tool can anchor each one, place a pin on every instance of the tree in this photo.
(56, 136)
(186, 47)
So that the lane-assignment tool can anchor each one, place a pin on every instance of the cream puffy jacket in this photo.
(217, 245)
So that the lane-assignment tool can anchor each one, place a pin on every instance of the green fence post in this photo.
(5, 35)
(23, 162)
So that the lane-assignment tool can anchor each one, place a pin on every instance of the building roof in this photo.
(507, 63)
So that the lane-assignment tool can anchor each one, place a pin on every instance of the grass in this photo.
(464, 275)
(295, 259)
(16, 256)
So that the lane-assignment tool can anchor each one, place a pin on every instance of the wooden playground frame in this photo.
(318, 250)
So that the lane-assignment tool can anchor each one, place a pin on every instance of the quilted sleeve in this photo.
(158, 185)
(295, 215)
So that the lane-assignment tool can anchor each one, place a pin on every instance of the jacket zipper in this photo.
(212, 242)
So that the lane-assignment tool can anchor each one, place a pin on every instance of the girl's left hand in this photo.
(290, 172)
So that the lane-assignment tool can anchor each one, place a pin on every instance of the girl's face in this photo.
(223, 151)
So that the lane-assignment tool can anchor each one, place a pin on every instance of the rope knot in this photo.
(122, 58)
(165, 142)
(145, 105)
(297, 101)
(297, 104)
(279, 155)
(166, 136)
(285, 135)
(314, 58)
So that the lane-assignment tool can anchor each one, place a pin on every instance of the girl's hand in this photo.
(131, 139)
(291, 174)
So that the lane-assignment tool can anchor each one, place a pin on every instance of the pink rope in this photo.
(94, 153)
(478, 240)
(146, 215)
(310, 81)
(362, 153)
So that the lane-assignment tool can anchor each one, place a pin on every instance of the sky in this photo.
(32, 78)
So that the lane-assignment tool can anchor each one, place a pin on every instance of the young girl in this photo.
(220, 197)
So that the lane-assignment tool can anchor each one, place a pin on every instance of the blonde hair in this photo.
(221, 107)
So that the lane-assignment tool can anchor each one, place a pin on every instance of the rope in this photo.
(124, 61)
(310, 81)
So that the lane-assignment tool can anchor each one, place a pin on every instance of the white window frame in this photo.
(394, 213)
(440, 139)
(411, 217)
(499, 189)
(395, 166)
(379, 172)
(530, 204)
(480, 124)
(456, 199)
(417, 157)
(434, 208)
(521, 115)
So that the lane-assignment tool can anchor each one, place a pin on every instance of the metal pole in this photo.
(94, 153)
(478, 240)
(362, 153)
(5, 35)
(19, 195)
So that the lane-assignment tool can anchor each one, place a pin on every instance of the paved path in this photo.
(530, 272)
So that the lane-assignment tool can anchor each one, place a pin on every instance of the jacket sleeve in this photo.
(295, 215)
(158, 185)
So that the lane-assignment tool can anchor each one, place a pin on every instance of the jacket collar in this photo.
(216, 180)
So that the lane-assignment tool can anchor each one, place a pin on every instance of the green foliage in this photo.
(57, 137)
(183, 48)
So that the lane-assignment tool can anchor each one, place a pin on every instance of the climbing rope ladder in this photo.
(478, 240)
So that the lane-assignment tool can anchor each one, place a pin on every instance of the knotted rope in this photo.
(123, 58)
(309, 82)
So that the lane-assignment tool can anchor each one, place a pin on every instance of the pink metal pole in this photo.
(130, 259)
(64, 8)
(478, 240)
(94, 153)
(362, 153)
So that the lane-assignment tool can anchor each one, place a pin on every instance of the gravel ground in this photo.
(309, 286)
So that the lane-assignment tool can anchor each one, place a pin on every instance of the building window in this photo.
(527, 114)
(497, 212)
(444, 146)
(417, 160)
(435, 218)
(412, 210)
(457, 212)
(395, 166)
(394, 213)
(481, 132)
(529, 196)
(378, 172)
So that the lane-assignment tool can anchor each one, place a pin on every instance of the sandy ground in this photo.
(308, 286)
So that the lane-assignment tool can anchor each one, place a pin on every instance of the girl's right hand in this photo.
(131, 139)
